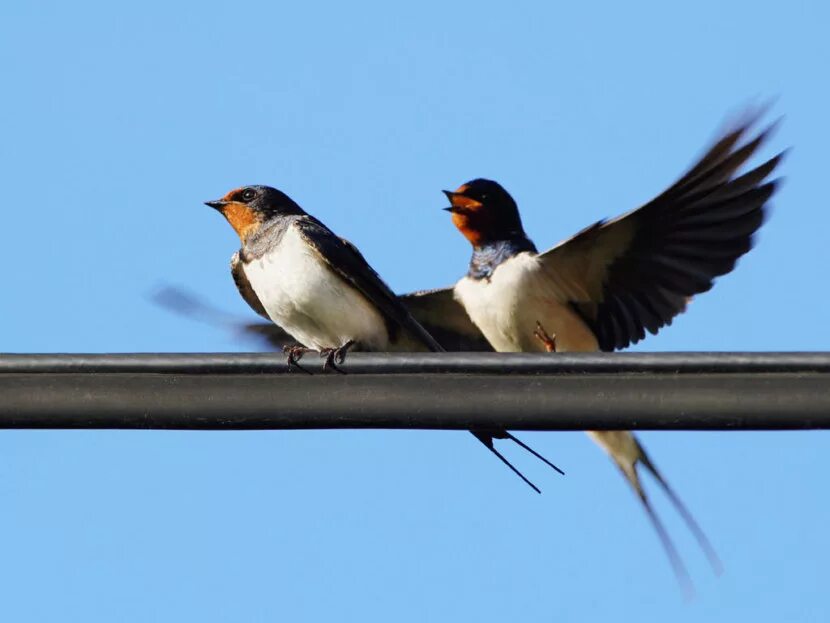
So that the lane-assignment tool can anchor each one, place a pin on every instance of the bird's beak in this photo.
(217, 205)
(450, 196)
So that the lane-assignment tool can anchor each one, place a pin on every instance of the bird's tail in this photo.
(677, 565)
(691, 523)
(626, 451)
(487, 437)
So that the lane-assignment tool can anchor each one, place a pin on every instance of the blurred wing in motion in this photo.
(436, 310)
(184, 303)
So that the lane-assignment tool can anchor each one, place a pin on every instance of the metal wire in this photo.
(702, 391)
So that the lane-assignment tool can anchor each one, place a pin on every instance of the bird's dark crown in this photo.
(485, 212)
(248, 207)
(265, 200)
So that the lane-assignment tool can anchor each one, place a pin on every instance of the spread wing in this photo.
(344, 259)
(446, 320)
(244, 286)
(636, 272)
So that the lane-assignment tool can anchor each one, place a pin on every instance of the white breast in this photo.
(507, 306)
(311, 302)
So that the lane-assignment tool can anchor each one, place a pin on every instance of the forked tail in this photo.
(486, 438)
(694, 528)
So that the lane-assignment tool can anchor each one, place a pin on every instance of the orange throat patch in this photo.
(469, 217)
(243, 220)
(466, 225)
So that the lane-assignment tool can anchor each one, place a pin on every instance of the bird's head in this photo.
(248, 207)
(484, 212)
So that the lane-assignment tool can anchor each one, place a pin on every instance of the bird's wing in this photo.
(637, 272)
(180, 301)
(345, 260)
(436, 310)
(270, 333)
(446, 320)
(245, 288)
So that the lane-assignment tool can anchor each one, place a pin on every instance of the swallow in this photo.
(445, 320)
(602, 289)
(318, 287)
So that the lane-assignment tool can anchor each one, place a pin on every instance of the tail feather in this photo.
(627, 468)
(522, 444)
(487, 437)
(487, 440)
(676, 562)
(627, 452)
(694, 527)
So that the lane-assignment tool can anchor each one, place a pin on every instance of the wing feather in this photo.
(344, 259)
(245, 288)
(446, 320)
(636, 272)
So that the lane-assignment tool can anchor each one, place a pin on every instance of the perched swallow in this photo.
(615, 280)
(317, 286)
(445, 320)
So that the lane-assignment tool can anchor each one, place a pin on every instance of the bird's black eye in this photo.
(248, 194)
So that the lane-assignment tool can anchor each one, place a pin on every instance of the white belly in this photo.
(506, 308)
(312, 303)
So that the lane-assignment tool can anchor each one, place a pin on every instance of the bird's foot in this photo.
(334, 356)
(293, 354)
(547, 340)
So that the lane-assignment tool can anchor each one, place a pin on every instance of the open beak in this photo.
(450, 195)
(216, 205)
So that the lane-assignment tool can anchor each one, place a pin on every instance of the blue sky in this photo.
(117, 122)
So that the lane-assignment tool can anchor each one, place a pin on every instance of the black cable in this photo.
(702, 391)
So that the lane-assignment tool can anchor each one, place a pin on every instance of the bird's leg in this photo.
(293, 355)
(547, 340)
(334, 356)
